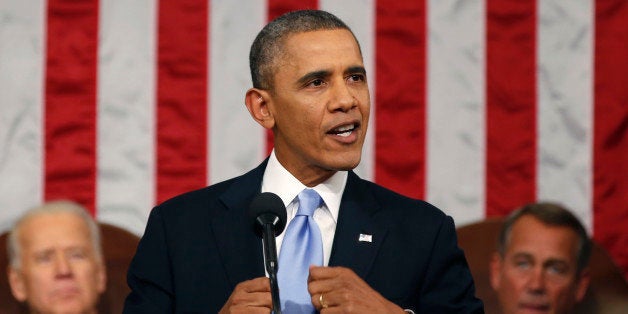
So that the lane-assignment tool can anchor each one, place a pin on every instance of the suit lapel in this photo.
(358, 234)
(240, 249)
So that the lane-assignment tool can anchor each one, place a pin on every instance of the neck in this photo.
(314, 181)
(309, 175)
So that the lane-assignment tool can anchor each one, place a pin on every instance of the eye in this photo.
(523, 264)
(43, 258)
(357, 78)
(557, 269)
(316, 83)
(77, 254)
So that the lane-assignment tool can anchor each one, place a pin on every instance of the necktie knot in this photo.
(309, 201)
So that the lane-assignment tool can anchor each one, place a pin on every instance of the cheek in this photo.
(86, 273)
(91, 278)
(305, 127)
(38, 287)
(513, 281)
(509, 293)
(39, 279)
(561, 293)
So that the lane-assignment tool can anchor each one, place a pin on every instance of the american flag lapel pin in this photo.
(365, 238)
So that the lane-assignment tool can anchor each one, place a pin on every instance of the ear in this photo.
(101, 276)
(16, 281)
(582, 284)
(257, 102)
(495, 270)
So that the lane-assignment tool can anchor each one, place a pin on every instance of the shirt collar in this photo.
(280, 181)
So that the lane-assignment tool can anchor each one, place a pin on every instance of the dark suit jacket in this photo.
(198, 246)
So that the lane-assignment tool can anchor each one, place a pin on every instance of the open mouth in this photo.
(344, 130)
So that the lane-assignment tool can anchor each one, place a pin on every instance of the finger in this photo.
(325, 279)
(314, 287)
(260, 284)
(332, 275)
(255, 299)
(245, 309)
(254, 292)
(322, 272)
(241, 301)
(321, 301)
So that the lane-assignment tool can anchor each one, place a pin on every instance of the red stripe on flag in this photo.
(279, 7)
(400, 95)
(182, 97)
(510, 105)
(275, 9)
(610, 153)
(70, 95)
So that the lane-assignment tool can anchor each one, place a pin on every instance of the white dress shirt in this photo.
(281, 182)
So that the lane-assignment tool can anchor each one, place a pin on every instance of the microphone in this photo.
(268, 216)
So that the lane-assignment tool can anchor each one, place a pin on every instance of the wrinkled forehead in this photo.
(315, 48)
(531, 237)
(53, 230)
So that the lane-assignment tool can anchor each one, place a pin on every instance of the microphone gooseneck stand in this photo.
(268, 218)
(272, 266)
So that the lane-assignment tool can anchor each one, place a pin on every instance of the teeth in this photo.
(345, 128)
(344, 131)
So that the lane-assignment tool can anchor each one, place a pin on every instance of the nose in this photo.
(62, 266)
(536, 281)
(343, 98)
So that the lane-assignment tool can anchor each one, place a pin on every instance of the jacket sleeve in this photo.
(448, 285)
(150, 274)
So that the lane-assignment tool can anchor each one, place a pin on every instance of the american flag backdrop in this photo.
(478, 106)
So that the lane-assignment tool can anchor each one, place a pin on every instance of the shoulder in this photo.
(231, 193)
(398, 204)
(196, 199)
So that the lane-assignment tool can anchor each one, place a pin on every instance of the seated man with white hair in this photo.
(55, 259)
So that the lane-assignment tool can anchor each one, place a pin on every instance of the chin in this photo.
(346, 164)
(69, 308)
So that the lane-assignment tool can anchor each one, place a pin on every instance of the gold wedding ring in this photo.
(323, 303)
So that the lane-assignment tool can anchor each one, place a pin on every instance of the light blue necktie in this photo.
(302, 246)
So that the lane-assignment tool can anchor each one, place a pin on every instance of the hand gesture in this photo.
(251, 296)
(340, 290)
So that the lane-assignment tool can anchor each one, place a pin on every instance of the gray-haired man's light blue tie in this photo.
(302, 246)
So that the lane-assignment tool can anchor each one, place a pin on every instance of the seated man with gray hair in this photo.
(541, 263)
(55, 259)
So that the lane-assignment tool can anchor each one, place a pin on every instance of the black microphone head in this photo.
(267, 208)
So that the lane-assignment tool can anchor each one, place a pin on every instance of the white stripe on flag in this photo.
(22, 47)
(565, 100)
(236, 142)
(456, 108)
(126, 113)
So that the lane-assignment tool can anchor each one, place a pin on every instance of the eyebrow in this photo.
(45, 251)
(313, 75)
(545, 263)
(356, 69)
(326, 73)
(555, 261)
(522, 255)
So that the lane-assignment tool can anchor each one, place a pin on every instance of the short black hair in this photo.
(268, 43)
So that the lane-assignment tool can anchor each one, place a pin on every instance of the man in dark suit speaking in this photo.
(350, 246)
